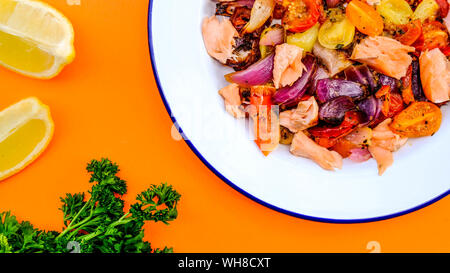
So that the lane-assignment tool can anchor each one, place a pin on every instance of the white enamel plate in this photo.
(189, 79)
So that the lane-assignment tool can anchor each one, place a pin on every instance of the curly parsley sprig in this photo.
(97, 223)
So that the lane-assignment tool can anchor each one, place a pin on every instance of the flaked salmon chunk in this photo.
(218, 37)
(385, 55)
(232, 99)
(303, 146)
(435, 75)
(384, 142)
(303, 117)
(288, 66)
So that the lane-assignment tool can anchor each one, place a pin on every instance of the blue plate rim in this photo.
(235, 187)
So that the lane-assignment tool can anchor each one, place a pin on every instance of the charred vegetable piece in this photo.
(410, 32)
(365, 18)
(333, 111)
(334, 60)
(228, 8)
(286, 136)
(328, 89)
(245, 53)
(266, 122)
(327, 136)
(418, 120)
(300, 15)
(258, 73)
(290, 95)
(261, 12)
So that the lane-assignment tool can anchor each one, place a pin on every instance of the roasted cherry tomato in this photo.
(407, 92)
(266, 122)
(300, 15)
(410, 32)
(397, 12)
(434, 35)
(328, 136)
(365, 18)
(418, 120)
(337, 32)
(385, 95)
(426, 10)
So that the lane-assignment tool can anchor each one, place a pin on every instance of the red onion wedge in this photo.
(258, 73)
(321, 73)
(290, 95)
(272, 36)
(360, 74)
(416, 84)
(371, 107)
(386, 80)
(333, 111)
(328, 89)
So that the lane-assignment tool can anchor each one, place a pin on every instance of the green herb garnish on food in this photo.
(98, 223)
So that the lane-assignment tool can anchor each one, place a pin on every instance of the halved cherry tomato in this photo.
(392, 104)
(434, 35)
(300, 15)
(407, 93)
(385, 95)
(266, 122)
(395, 105)
(337, 32)
(397, 12)
(411, 32)
(328, 136)
(365, 18)
(418, 120)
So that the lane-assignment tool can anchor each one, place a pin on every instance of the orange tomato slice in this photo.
(365, 18)
(418, 120)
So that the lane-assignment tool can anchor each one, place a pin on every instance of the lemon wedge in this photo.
(35, 39)
(26, 129)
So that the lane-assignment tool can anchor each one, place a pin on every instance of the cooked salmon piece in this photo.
(232, 99)
(334, 60)
(303, 117)
(384, 142)
(447, 20)
(305, 147)
(385, 55)
(435, 75)
(384, 158)
(288, 66)
(218, 37)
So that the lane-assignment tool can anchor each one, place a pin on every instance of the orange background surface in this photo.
(106, 104)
